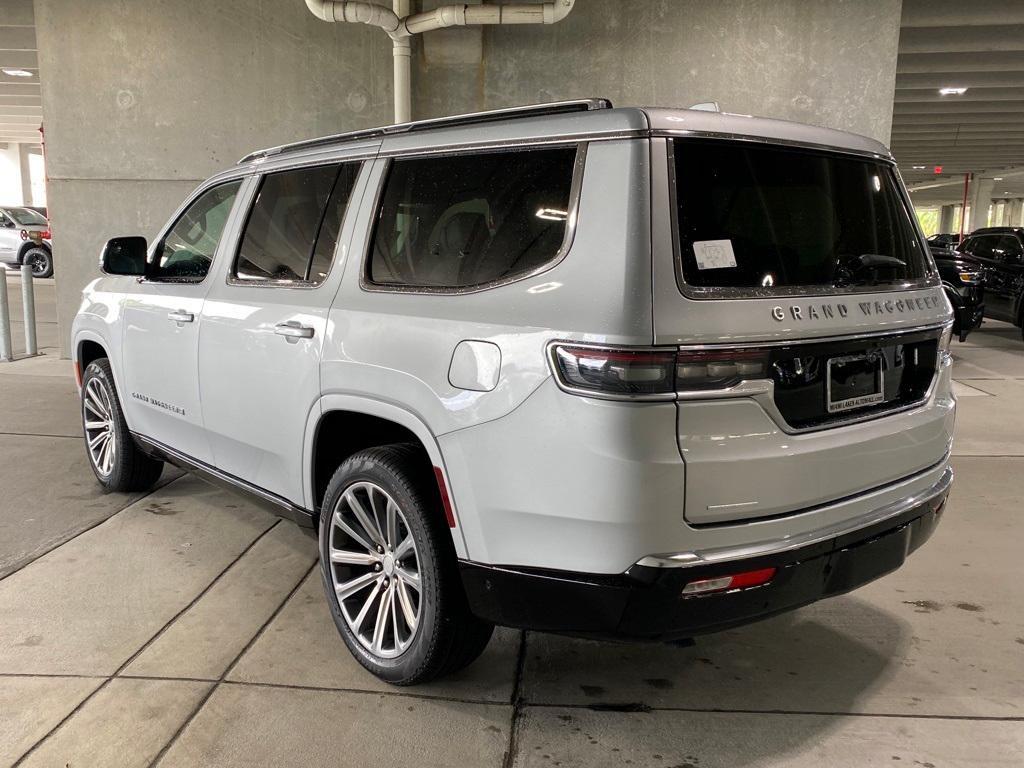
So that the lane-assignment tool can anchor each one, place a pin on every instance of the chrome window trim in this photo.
(781, 545)
(575, 189)
(805, 291)
(300, 285)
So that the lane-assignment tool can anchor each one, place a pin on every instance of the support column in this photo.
(946, 218)
(1016, 210)
(981, 199)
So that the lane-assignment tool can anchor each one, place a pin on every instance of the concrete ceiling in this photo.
(21, 112)
(973, 44)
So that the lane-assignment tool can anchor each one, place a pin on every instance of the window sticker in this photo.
(714, 254)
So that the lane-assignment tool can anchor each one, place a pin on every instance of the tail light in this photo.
(653, 373)
(46, 234)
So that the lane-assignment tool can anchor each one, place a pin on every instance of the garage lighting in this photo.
(552, 214)
(952, 91)
(919, 167)
(17, 72)
(997, 178)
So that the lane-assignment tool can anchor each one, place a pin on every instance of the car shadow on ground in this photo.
(823, 661)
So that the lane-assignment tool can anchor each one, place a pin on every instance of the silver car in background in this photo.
(25, 239)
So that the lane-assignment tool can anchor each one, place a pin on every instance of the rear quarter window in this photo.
(471, 220)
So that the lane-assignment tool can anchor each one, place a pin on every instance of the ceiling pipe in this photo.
(401, 26)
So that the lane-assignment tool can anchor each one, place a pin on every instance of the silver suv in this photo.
(25, 239)
(635, 373)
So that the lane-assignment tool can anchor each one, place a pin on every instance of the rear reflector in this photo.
(727, 583)
(78, 374)
(446, 501)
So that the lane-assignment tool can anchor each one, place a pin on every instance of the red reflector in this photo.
(78, 374)
(445, 500)
(727, 583)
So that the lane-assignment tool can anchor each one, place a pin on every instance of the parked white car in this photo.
(635, 373)
(25, 239)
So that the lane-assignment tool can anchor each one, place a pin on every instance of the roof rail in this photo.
(531, 110)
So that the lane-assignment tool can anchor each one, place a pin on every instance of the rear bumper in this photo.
(646, 601)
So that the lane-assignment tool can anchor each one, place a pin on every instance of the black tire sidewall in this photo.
(368, 466)
(27, 258)
(119, 473)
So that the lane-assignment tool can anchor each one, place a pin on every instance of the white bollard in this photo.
(6, 350)
(28, 302)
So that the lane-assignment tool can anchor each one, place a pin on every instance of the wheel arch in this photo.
(342, 425)
(29, 244)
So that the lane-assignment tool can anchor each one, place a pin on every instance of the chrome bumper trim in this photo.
(788, 543)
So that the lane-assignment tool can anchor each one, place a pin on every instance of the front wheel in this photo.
(389, 570)
(41, 261)
(116, 461)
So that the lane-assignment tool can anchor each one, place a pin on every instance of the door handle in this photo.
(294, 331)
(181, 317)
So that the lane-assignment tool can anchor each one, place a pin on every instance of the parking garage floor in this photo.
(186, 627)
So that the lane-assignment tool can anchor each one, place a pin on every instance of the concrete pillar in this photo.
(1016, 210)
(981, 199)
(946, 218)
(24, 150)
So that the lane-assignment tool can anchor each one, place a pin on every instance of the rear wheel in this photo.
(41, 261)
(389, 570)
(116, 461)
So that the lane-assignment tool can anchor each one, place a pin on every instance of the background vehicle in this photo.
(570, 368)
(1001, 251)
(943, 242)
(33, 247)
(964, 280)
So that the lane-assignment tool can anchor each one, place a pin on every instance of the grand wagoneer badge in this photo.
(828, 310)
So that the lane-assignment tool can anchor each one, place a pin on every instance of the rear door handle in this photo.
(294, 331)
(181, 317)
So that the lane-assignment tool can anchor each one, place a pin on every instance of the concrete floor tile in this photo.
(302, 647)
(39, 405)
(123, 726)
(210, 634)
(87, 606)
(580, 738)
(989, 362)
(245, 725)
(941, 636)
(30, 707)
(991, 426)
(49, 495)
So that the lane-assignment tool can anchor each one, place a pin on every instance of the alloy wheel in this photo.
(98, 417)
(375, 569)
(40, 265)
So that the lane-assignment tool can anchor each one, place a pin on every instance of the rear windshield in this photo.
(762, 218)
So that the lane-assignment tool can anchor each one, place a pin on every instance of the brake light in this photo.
(744, 580)
(46, 235)
(653, 373)
(610, 372)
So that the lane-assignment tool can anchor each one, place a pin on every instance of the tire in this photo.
(41, 261)
(443, 636)
(115, 459)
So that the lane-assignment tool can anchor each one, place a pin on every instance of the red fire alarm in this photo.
(938, 169)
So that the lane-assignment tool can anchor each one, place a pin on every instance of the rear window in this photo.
(468, 220)
(763, 218)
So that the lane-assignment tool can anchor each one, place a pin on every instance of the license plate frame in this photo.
(849, 403)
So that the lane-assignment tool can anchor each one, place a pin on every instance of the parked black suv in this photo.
(1000, 250)
(963, 278)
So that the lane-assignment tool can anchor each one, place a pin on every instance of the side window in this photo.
(187, 250)
(294, 224)
(982, 247)
(468, 220)
(1008, 249)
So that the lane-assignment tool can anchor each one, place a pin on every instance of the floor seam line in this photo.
(135, 655)
(517, 705)
(223, 677)
(84, 531)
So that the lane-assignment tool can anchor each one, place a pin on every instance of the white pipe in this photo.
(401, 53)
(401, 26)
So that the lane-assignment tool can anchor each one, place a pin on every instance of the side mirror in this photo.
(124, 256)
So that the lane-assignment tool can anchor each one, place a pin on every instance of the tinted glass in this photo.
(763, 217)
(278, 240)
(981, 246)
(27, 217)
(189, 247)
(1008, 248)
(466, 220)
